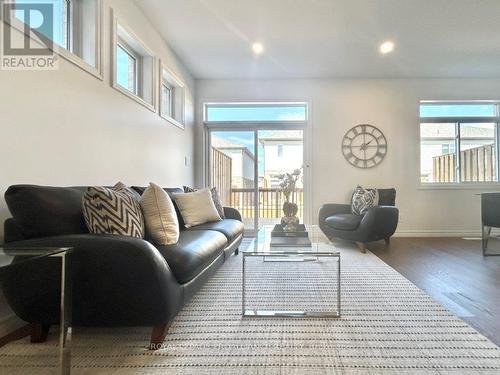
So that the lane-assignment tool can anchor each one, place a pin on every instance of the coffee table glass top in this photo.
(21, 255)
(260, 245)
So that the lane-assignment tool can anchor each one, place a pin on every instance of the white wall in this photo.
(67, 127)
(392, 106)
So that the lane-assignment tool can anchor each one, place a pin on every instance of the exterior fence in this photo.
(476, 165)
(222, 175)
(270, 202)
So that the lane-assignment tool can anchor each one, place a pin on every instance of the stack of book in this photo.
(297, 238)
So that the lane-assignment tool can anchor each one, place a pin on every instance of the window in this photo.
(76, 29)
(280, 151)
(459, 142)
(255, 112)
(134, 67)
(126, 68)
(171, 98)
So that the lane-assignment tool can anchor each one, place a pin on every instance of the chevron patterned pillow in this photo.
(363, 200)
(113, 211)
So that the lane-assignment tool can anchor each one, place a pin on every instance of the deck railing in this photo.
(476, 165)
(270, 202)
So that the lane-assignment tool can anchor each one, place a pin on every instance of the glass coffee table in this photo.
(291, 281)
(12, 260)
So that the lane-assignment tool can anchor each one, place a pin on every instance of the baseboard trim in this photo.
(9, 324)
(437, 233)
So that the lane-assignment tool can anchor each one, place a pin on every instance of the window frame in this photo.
(176, 87)
(96, 71)
(298, 123)
(458, 121)
(170, 111)
(116, 40)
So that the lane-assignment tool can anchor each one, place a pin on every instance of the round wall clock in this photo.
(364, 146)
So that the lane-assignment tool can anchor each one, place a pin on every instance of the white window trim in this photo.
(484, 185)
(114, 41)
(180, 84)
(69, 56)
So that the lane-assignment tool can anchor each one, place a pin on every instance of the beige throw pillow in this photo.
(159, 215)
(197, 208)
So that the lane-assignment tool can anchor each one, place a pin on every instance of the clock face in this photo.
(364, 146)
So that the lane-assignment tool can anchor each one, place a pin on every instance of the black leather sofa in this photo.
(379, 222)
(117, 280)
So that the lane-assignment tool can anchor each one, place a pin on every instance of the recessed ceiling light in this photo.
(257, 48)
(387, 47)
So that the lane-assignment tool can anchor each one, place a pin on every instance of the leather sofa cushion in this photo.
(42, 211)
(193, 253)
(228, 227)
(344, 221)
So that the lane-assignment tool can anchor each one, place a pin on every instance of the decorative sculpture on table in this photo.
(288, 185)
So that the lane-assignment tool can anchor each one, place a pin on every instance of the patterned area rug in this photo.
(388, 326)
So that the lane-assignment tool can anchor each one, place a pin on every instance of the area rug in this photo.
(388, 326)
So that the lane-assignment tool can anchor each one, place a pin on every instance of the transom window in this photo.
(172, 93)
(459, 142)
(75, 27)
(256, 112)
(126, 68)
(134, 66)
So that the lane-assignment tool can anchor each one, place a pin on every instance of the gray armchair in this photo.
(490, 218)
(379, 222)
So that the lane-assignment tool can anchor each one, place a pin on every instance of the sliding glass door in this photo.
(249, 169)
(252, 149)
(280, 161)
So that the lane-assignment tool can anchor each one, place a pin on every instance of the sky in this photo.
(257, 113)
(457, 110)
(36, 18)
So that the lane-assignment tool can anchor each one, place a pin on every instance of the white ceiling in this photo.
(331, 38)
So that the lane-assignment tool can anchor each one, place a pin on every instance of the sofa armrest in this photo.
(232, 213)
(118, 280)
(330, 209)
(380, 221)
(11, 231)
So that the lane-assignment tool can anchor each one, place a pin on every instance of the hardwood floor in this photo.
(454, 272)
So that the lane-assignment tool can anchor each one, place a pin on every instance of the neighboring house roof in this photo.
(447, 131)
(225, 144)
(280, 135)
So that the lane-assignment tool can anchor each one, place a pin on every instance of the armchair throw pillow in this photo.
(363, 200)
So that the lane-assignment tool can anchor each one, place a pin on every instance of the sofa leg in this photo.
(387, 241)
(158, 336)
(361, 246)
(237, 251)
(39, 332)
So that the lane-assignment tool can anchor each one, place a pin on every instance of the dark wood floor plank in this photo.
(454, 272)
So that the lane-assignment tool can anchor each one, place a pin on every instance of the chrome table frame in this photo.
(65, 308)
(289, 256)
(65, 329)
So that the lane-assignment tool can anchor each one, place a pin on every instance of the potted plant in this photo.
(288, 185)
